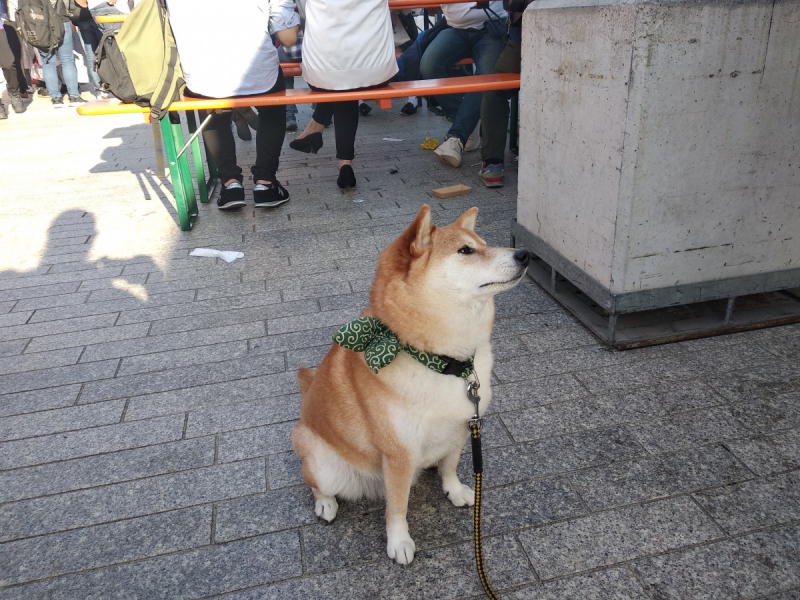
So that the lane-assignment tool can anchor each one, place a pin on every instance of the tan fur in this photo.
(362, 434)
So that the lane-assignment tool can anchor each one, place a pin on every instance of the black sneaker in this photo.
(364, 108)
(269, 196)
(76, 101)
(231, 196)
(408, 109)
(57, 102)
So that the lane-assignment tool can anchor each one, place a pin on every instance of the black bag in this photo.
(111, 67)
(40, 24)
(73, 12)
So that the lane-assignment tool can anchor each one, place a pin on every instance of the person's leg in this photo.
(495, 110)
(450, 46)
(345, 118)
(486, 48)
(12, 37)
(68, 70)
(50, 74)
(269, 138)
(8, 62)
(90, 35)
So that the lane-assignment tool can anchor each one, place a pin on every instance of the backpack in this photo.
(40, 23)
(408, 61)
(139, 63)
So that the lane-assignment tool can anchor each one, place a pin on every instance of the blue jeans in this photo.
(91, 35)
(451, 45)
(68, 70)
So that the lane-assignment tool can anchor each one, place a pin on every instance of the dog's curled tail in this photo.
(305, 377)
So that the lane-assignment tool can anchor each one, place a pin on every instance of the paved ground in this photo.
(146, 400)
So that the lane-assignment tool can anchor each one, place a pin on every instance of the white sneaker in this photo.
(450, 151)
(474, 140)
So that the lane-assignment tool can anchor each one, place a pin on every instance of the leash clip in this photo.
(472, 395)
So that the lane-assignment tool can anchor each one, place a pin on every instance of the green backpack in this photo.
(139, 63)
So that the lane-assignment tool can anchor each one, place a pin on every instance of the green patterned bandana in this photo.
(380, 346)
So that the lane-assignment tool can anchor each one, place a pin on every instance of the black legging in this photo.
(10, 59)
(218, 138)
(345, 116)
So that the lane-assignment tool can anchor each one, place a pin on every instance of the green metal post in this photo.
(183, 164)
(186, 220)
(199, 172)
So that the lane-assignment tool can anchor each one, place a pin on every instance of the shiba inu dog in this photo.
(372, 420)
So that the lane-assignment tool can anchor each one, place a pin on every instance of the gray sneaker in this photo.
(3, 113)
(291, 123)
(57, 102)
(17, 104)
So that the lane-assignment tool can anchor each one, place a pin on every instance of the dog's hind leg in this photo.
(458, 493)
(398, 474)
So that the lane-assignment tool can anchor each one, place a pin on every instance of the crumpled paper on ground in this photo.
(226, 255)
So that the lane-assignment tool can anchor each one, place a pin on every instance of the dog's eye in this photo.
(466, 250)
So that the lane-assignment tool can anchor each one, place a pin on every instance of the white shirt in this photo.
(464, 15)
(225, 47)
(347, 44)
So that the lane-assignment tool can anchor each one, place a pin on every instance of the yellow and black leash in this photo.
(477, 467)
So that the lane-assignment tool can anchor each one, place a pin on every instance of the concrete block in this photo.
(114, 467)
(130, 499)
(616, 536)
(98, 440)
(104, 545)
(749, 566)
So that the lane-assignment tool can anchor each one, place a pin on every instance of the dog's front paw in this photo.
(460, 494)
(326, 507)
(401, 550)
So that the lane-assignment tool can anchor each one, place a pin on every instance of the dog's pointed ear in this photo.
(468, 219)
(421, 230)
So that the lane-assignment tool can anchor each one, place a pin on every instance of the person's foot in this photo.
(450, 151)
(347, 178)
(17, 104)
(309, 144)
(231, 196)
(492, 175)
(42, 93)
(408, 109)
(364, 109)
(57, 102)
(474, 140)
(76, 101)
(269, 195)
(291, 123)
(3, 113)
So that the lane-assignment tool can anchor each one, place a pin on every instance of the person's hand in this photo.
(111, 2)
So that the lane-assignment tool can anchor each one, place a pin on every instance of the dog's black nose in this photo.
(522, 256)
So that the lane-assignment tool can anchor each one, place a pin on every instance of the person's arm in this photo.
(284, 22)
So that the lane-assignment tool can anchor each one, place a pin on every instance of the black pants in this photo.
(10, 59)
(219, 141)
(494, 106)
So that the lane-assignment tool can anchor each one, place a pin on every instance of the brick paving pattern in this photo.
(147, 399)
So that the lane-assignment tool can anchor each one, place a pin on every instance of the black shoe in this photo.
(242, 128)
(231, 196)
(269, 196)
(17, 104)
(408, 109)
(42, 93)
(347, 179)
(364, 109)
(3, 113)
(309, 144)
(57, 102)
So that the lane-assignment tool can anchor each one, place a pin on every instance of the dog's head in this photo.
(435, 268)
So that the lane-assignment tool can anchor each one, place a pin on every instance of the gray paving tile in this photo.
(306, 357)
(125, 500)
(550, 340)
(51, 377)
(358, 300)
(230, 417)
(506, 348)
(615, 583)
(51, 301)
(60, 420)
(40, 280)
(15, 318)
(175, 300)
(768, 454)
(441, 573)
(311, 321)
(215, 394)
(691, 428)
(293, 341)
(103, 545)
(41, 291)
(187, 357)
(754, 504)
(257, 441)
(13, 348)
(768, 416)
(28, 402)
(182, 377)
(555, 363)
(761, 382)
(213, 570)
(745, 567)
(554, 455)
(318, 291)
(16, 332)
(39, 360)
(654, 477)
(641, 374)
(187, 308)
(89, 285)
(75, 444)
(513, 396)
(175, 341)
(124, 465)
(264, 513)
(92, 336)
(616, 536)
(284, 470)
(233, 290)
